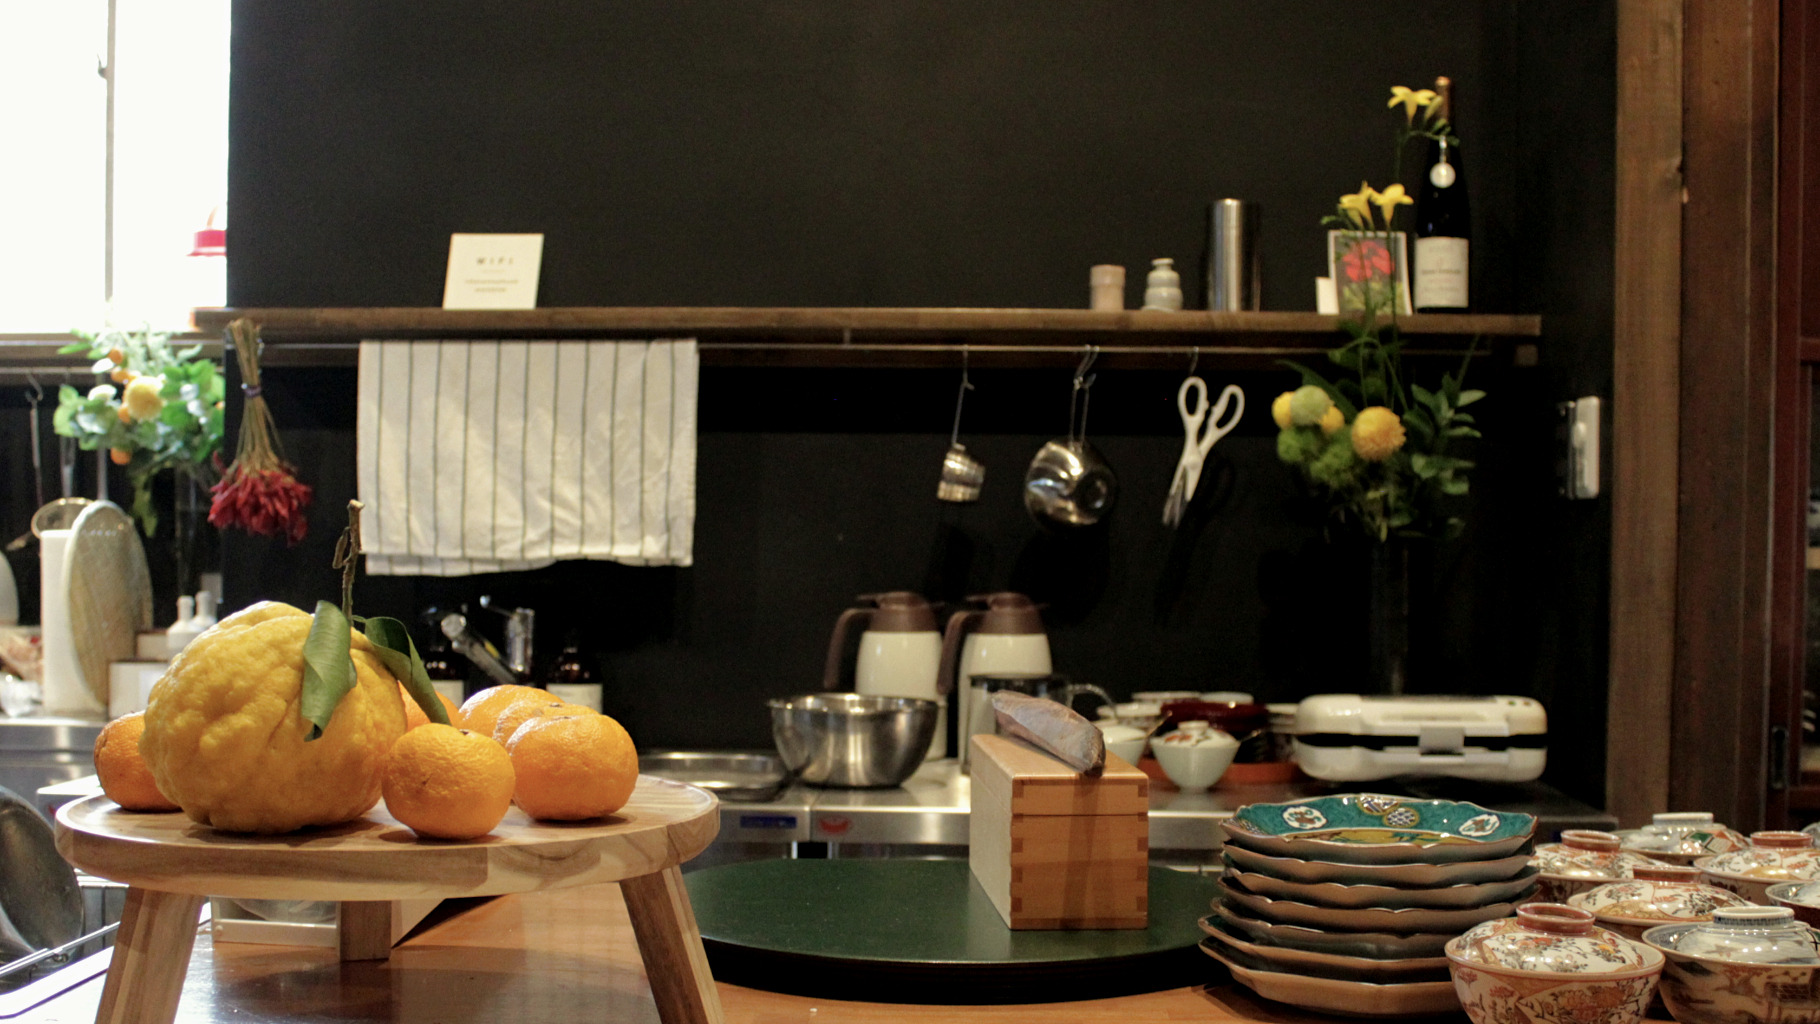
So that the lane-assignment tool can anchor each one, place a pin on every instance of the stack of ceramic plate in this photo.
(1343, 903)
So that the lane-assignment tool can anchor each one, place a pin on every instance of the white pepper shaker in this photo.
(1163, 288)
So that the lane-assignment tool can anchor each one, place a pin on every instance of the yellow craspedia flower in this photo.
(1334, 420)
(1376, 433)
(142, 399)
(1279, 410)
(225, 739)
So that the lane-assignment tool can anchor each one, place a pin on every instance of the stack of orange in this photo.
(508, 744)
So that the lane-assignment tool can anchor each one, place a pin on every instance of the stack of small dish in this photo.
(1345, 903)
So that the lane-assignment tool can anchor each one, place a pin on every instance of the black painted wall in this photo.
(896, 153)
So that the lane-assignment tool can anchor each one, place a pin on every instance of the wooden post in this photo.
(670, 942)
(151, 957)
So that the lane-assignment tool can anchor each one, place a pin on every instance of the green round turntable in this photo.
(923, 931)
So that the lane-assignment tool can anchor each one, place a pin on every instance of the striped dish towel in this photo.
(501, 456)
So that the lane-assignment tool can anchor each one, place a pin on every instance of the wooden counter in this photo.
(564, 956)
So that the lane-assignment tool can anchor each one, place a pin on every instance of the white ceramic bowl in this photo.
(1508, 971)
(1126, 741)
(1707, 990)
(1194, 768)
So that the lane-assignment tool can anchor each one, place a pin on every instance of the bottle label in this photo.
(1441, 265)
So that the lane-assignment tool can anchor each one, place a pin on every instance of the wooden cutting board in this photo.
(109, 589)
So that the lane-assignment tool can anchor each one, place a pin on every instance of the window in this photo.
(169, 151)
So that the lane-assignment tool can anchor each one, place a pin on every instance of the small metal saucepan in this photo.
(1069, 484)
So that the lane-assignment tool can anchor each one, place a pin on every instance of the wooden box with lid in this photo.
(1056, 849)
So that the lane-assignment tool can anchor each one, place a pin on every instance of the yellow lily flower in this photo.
(1410, 99)
(1357, 205)
(1391, 198)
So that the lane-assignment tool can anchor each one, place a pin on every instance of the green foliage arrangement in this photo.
(157, 409)
(1381, 449)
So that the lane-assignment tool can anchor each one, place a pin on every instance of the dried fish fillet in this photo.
(1052, 727)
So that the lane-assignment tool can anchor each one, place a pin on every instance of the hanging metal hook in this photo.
(954, 438)
(1194, 360)
(1081, 378)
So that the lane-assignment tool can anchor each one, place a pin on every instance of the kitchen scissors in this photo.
(1203, 427)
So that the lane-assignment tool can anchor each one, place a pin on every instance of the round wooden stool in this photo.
(171, 864)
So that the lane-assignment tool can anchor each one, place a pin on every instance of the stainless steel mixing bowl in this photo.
(850, 739)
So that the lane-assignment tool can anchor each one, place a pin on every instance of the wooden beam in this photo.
(1646, 382)
(1726, 401)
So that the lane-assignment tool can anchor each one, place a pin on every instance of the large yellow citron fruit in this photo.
(225, 739)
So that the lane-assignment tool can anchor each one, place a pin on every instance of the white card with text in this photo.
(493, 271)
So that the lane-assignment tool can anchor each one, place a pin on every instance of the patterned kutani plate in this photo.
(1402, 876)
(1330, 995)
(1326, 965)
(1368, 828)
(1370, 945)
(1405, 921)
(1334, 894)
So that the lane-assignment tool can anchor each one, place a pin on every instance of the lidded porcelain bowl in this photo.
(1801, 897)
(1582, 860)
(1551, 964)
(1771, 857)
(1682, 837)
(1655, 895)
(1747, 965)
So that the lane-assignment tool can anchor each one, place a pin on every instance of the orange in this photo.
(414, 716)
(120, 456)
(524, 709)
(447, 783)
(574, 767)
(481, 711)
(125, 777)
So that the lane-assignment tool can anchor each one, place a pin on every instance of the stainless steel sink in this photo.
(747, 778)
(32, 980)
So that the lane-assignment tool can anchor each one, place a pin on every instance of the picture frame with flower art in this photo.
(1369, 269)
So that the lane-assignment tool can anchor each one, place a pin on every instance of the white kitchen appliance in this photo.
(899, 654)
(1348, 737)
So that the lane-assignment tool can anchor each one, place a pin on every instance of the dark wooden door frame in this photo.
(1693, 344)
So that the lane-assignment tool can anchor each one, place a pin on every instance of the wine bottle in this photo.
(1443, 221)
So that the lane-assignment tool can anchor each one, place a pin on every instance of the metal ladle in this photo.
(1069, 484)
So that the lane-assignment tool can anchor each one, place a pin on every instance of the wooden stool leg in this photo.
(670, 943)
(151, 956)
(365, 930)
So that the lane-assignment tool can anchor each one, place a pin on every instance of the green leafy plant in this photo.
(157, 409)
(328, 664)
(1381, 449)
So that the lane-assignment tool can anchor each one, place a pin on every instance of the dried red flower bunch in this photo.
(266, 502)
(260, 492)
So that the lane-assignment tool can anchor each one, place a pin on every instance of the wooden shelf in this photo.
(867, 336)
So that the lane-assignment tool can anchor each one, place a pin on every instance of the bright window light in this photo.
(170, 161)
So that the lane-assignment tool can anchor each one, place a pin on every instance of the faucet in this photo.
(475, 648)
(519, 624)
